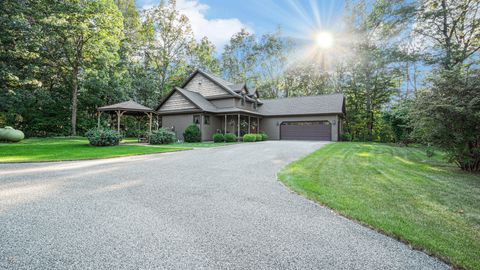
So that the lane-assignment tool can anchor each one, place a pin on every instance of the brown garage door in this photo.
(306, 130)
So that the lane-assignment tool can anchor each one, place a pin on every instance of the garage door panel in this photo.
(306, 130)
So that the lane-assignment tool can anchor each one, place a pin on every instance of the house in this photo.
(216, 105)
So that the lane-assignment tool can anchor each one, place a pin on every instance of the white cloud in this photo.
(219, 31)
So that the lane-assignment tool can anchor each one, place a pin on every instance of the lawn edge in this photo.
(87, 159)
(361, 223)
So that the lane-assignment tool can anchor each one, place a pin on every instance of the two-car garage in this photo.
(306, 130)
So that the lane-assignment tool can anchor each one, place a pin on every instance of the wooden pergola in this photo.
(126, 108)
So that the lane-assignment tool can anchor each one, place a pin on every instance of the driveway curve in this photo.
(217, 208)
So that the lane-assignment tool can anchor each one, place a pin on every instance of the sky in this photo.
(220, 19)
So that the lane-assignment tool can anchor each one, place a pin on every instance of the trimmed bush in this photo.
(249, 137)
(259, 137)
(10, 134)
(218, 137)
(103, 137)
(192, 134)
(264, 136)
(162, 136)
(229, 137)
(346, 137)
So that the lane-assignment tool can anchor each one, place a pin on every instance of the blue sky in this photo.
(219, 19)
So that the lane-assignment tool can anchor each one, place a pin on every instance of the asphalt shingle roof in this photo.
(324, 104)
(127, 106)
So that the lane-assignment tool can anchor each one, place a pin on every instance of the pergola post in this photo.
(225, 131)
(150, 116)
(249, 124)
(238, 127)
(119, 116)
(98, 119)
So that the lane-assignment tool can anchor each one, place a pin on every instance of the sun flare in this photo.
(324, 40)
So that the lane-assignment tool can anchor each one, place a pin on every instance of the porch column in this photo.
(225, 124)
(258, 125)
(249, 124)
(238, 126)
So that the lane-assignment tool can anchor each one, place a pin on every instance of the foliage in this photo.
(249, 137)
(258, 137)
(264, 136)
(448, 116)
(11, 135)
(393, 190)
(218, 137)
(103, 137)
(229, 137)
(72, 148)
(192, 134)
(161, 136)
(398, 118)
(346, 137)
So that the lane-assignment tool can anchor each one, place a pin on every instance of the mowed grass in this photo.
(57, 149)
(424, 201)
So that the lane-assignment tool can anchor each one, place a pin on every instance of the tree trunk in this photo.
(74, 100)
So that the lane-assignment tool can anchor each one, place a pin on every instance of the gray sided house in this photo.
(216, 105)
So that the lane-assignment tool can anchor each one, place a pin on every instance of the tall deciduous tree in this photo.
(168, 34)
(202, 56)
(81, 33)
(239, 58)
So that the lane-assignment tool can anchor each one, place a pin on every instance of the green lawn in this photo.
(398, 190)
(56, 149)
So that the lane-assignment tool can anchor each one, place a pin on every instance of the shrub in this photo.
(249, 137)
(229, 137)
(259, 137)
(346, 137)
(103, 137)
(192, 134)
(162, 136)
(264, 136)
(218, 137)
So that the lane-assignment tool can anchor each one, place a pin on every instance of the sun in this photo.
(324, 40)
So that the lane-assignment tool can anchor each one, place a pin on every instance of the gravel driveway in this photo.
(217, 208)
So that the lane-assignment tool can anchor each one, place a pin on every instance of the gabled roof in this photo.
(126, 106)
(227, 86)
(197, 99)
(323, 104)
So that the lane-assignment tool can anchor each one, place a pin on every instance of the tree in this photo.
(399, 119)
(80, 33)
(448, 116)
(239, 58)
(202, 56)
(453, 27)
(168, 35)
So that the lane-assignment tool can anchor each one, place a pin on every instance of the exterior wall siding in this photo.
(209, 130)
(179, 122)
(269, 124)
(224, 102)
(177, 102)
(204, 86)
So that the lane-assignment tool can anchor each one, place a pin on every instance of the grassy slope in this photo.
(424, 201)
(55, 149)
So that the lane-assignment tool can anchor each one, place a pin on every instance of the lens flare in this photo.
(324, 40)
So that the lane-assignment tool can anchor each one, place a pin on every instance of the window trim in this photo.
(198, 118)
(205, 122)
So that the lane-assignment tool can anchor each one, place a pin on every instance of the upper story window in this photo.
(206, 120)
(196, 119)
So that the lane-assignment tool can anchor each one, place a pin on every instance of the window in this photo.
(243, 100)
(206, 120)
(196, 119)
(255, 105)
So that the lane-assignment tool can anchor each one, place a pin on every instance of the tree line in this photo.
(408, 69)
